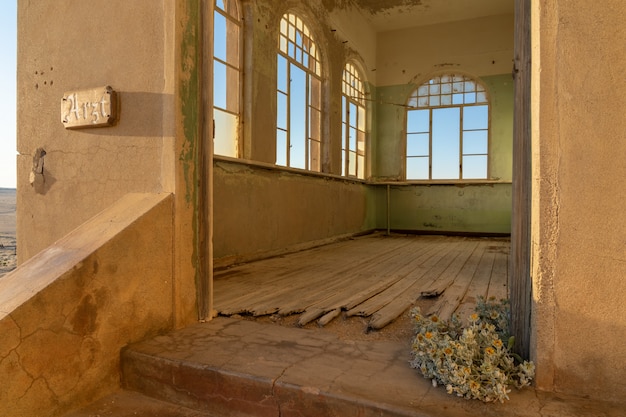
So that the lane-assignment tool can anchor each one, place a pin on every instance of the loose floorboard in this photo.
(376, 276)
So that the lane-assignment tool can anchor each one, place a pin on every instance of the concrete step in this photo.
(232, 367)
(241, 368)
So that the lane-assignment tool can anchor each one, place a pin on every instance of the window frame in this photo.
(419, 100)
(300, 52)
(237, 20)
(353, 95)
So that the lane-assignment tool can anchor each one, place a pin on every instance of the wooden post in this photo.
(519, 274)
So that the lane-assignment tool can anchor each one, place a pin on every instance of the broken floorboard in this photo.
(375, 276)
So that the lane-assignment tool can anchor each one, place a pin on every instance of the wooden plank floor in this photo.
(374, 276)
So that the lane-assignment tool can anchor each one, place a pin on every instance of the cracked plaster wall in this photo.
(579, 227)
(68, 46)
(86, 298)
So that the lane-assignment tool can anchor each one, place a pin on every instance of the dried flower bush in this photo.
(473, 361)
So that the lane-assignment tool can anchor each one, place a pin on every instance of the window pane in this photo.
(352, 164)
(475, 167)
(232, 90)
(417, 168)
(360, 142)
(475, 117)
(314, 123)
(361, 166)
(475, 142)
(297, 118)
(225, 141)
(232, 43)
(219, 36)
(314, 156)
(418, 121)
(361, 121)
(352, 141)
(281, 111)
(281, 147)
(315, 92)
(219, 85)
(282, 74)
(446, 143)
(417, 144)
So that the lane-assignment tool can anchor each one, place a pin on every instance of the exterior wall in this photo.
(261, 210)
(88, 295)
(68, 46)
(579, 142)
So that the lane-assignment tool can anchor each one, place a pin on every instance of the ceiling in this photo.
(386, 15)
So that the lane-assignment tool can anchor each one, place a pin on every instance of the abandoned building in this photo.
(160, 141)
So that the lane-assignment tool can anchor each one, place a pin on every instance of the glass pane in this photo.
(352, 163)
(282, 74)
(219, 4)
(481, 97)
(219, 36)
(417, 121)
(297, 118)
(360, 143)
(433, 101)
(314, 123)
(281, 111)
(344, 110)
(417, 144)
(232, 90)
(475, 117)
(470, 98)
(314, 156)
(457, 99)
(352, 139)
(361, 167)
(353, 114)
(446, 88)
(232, 43)
(219, 85)
(475, 167)
(361, 121)
(417, 168)
(446, 99)
(475, 142)
(315, 92)
(281, 147)
(446, 131)
(225, 141)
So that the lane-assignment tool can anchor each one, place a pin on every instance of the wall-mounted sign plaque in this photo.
(96, 107)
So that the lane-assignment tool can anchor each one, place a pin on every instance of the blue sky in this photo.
(8, 35)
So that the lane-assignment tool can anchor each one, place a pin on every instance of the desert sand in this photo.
(8, 258)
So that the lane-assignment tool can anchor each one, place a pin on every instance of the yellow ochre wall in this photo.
(579, 226)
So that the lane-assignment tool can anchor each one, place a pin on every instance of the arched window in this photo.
(226, 77)
(447, 130)
(353, 123)
(299, 96)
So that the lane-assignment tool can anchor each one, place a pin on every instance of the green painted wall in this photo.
(450, 207)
